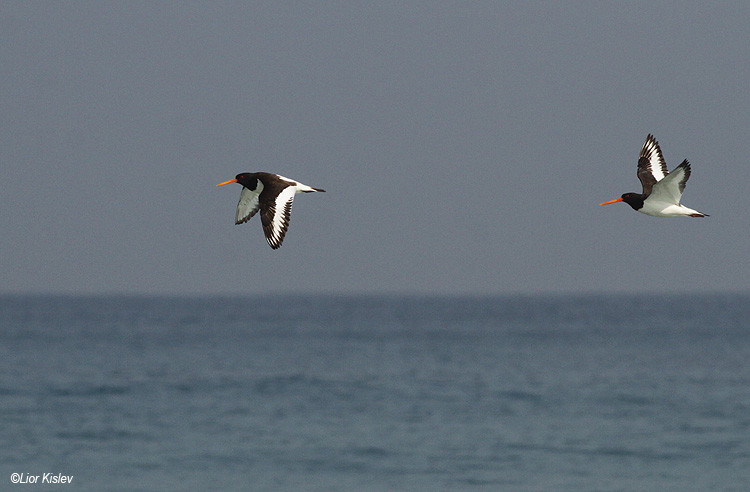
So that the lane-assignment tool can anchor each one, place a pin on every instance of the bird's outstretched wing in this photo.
(651, 165)
(275, 217)
(669, 189)
(249, 203)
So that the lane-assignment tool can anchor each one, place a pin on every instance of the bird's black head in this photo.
(635, 200)
(248, 180)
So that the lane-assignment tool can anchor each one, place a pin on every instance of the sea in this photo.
(375, 393)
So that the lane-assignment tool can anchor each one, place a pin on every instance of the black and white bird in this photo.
(662, 190)
(273, 196)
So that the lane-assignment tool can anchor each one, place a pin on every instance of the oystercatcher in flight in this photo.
(273, 196)
(662, 190)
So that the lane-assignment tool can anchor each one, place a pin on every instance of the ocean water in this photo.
(376, 393)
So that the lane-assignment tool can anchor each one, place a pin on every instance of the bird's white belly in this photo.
(666, 210)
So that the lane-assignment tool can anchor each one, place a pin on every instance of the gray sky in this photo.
(464, 145)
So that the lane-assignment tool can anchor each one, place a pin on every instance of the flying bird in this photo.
(273, 196)
(662, 190)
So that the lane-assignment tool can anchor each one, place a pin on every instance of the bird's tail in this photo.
(308, 189)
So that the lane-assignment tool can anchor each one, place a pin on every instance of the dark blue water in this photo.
(376, 393)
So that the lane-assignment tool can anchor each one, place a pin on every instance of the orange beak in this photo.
(227, 182)
(606, 203)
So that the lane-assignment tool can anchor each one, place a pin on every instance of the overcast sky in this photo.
(464, 146)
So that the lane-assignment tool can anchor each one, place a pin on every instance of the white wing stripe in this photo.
(656, 160)
(281, 217)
